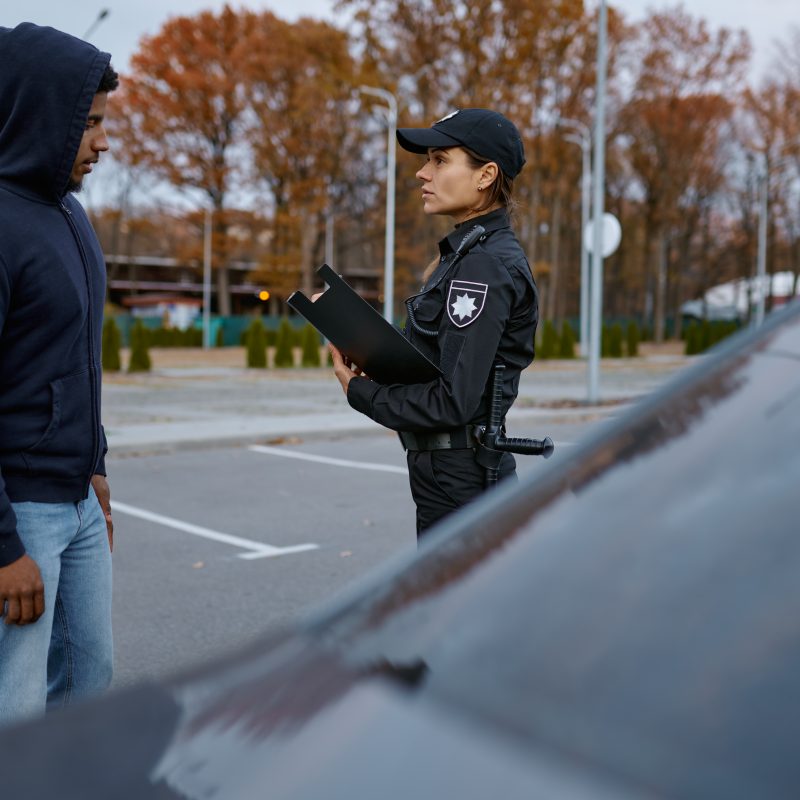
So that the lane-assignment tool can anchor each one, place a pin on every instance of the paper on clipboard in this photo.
(381, 351)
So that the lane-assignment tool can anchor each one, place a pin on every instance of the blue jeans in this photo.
(68, 652)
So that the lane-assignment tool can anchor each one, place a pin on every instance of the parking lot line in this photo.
(336, 462)
(254, 549)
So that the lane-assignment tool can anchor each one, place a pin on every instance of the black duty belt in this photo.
(458, 439)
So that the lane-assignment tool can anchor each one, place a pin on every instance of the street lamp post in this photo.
(761, 255)
(391, 147)
(763, 213)
(582, 136)
(207, 281)
(595, 316)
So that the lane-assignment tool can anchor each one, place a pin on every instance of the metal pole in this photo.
(329, 239)
(586, 199)
(388, 268)
(391, 150)
(583, 138)
(761, 260)
(596, 312)
(207, 282)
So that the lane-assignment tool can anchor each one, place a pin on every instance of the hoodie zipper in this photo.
(90, 326)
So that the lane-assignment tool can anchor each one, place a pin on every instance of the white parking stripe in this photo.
(336, 462)
(255, 549)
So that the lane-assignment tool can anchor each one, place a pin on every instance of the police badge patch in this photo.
(465, 301)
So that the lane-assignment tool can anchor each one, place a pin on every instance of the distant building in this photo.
(135, 277)
(733, 300)
(175, 311)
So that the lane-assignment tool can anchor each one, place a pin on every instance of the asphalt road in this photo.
(206, 540)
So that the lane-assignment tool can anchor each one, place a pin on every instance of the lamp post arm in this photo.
(576, 126)
(100, 17)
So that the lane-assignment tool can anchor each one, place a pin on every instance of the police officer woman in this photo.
(477, 306)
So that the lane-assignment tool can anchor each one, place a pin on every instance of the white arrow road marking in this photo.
(255, 549)
(336, 462)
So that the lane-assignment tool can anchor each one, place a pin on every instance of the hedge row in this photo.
(614, 344)
(700, 336)
(256, 339)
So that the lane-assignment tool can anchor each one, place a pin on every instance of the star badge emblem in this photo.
(464, 306)
(465, 301)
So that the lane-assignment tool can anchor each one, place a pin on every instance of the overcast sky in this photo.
(121, 30)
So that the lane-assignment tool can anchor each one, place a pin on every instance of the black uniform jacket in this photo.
(484, 308)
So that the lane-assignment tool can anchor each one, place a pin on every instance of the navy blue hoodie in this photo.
(52, 277)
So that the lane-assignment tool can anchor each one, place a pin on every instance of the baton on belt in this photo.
(492, 442)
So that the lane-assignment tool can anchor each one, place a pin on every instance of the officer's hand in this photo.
(103, 492)
(343, 369)
(21, 592)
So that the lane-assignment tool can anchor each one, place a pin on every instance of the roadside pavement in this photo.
(194, 399)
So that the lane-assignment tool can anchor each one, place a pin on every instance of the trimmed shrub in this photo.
(311, 344)
(700, 336)
(112, 341)
(566, 347)
(705, 341)
(256, 344)
(140, 355)
(721, 330)
(283, 345)
(692, 339)
(615, 341)
(605, 342)
(632, 337)
(548, 348)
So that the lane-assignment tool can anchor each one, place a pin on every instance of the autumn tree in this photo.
(769, 134)
(300, 80)
(186, 100)
(674, 120)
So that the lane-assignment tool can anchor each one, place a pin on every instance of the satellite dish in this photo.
(612, 235)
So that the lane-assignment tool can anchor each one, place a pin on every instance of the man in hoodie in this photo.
(55, 516)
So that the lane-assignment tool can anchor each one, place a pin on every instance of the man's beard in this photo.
(74, 186)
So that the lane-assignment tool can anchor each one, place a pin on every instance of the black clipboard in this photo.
(361, 333)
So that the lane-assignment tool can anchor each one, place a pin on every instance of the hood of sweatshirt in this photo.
(48, 80)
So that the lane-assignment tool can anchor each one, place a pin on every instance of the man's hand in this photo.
(342, 367)
(103, 493)
(21, 592)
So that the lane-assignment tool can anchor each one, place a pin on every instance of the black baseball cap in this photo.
(485, 132)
